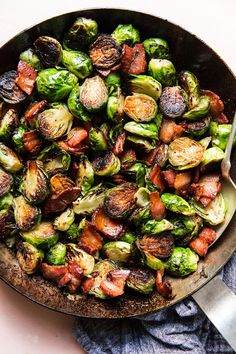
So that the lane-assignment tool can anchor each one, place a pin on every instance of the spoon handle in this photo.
(225, 164)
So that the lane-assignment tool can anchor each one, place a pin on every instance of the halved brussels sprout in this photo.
(55, 122)
(220, 134)
(185, 153)
(126, 34)
(205, 142)
(26, 215)
(90, 202)
(141, 280)
(7, 223)
(157, 48)
(84, 174)
(140, 143)
(182, 262)
(78, 63)
(214, 213)
(159, 246)
(184, 225)
(142, 197)
(18, 138)
(115, 105)
(81, 34)
(49, 51)
(154, 227)
(212, 156)
(64, 221)
(76, 107)
(9, 160)
(29, 257)
(93, 94)
(201, 110)
(176, 204)
(72, 233)
(140, 107)
(31, 58)
(129, 237)
(6, 182)
(148, 130)
(6, 201)
(198, 128)
(120, 201)
(34, 185)
(145, 84)
(54, 159)
(173, 101)
(55, 84)
(56, 254)
(81, 258)
(107, 165)
(97, 140)
(163, 71)
(8, 123)
(140, 215)
(105, 52)
(9, 91)
(118, 251)
(152, 261)
(162, 155)
(191, 86)
(43, 235)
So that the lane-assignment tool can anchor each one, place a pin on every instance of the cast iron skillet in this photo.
(188, 52)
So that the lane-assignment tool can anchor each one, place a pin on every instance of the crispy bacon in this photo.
(182, 181)
(90, 240)
(26, 77)
(109, 227)
(133, 61)
(170, 131)
(118, 147)
(76, 151)
(207, 188)
(87, 285)
(33, 109)
(169, 176)
(75, 136)
(106, 72)
(32, 142)
(216, 107)
(158, 210)
(150, 156)
(157, 178)
(203, 241)
(163, 287)
(59, 202)
(114, 284)
(118, 179)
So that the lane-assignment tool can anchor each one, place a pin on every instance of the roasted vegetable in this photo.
(163, 71)
(220, 134)
(8, 122)
(148, 130)
(115, 105)
(126, 34)
(146, 85)
(18, 138)
(140, 107)
(90, 202)
(140, 143)
(48, 50)
(26, 215)
(84, 174)
(190, 84)
(6, 181)
(129, 237)
(9, 91)
(81, 258)
(78, 63)
(7, 223)
(118, 251)
(6, 201)
(29, 257)
(106, 165)
(93, 94)
(9, 160)
(198, 128)
(211, 157)
(153, 227)
(75, 106)
(176, 204)
(142, 196)
(111, 228)
(200, 110)
(152, 261)
(173, 101)
(159, 246)
(97, 140)
(140, 215)
(214, 213)
(184, 225)
(157, 48)
(64, 220)
(54, 159)
(31, 58)
(182, 262)
(141, 280)
(43, 235)
(56, 254)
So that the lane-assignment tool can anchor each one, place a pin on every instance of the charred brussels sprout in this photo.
(31, 58)
(152, 261)
(93, 94)
(163, 71)
(34, 184)
(184, 153)
(78, 63)
(55, 122)
(55, 84)
(81, 34)
(90, 202)
(126, 34)
(81, 258)
(26, 215)
(84, 174)
(184, 225)
(140, 107)
(198, 128)
(182, 262)
(176, 204)
(157, 48)
(64, 221)
(140, 143)
(18, 137)
(8, 123)
(141, 280)
(54, 159)
(201, 110)
(49, 51)
(6, 201)
(97, 140)
(148, 130)
(7, 223)
(212, 157)
(118, 251)
(214, 213)
(191, 86)
(43, 235)
(29, 257)
(6, 182)
(120, 201)
(9, 91)
(173, 101)
(154, 227)
(107, 165)
(115, 105)
(57, 254)
(159, 246)
(9, 160)
(145, 84)
(220, 134)
(128, 237)
(140, 216)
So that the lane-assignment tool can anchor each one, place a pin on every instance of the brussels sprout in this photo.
(43, 235)
(159, 246)
(162, 155)
(163, 71)
(81, 258)
(18, 137)
(198, 128)
(26, 215)
(182, 262)
(176, 204)
(64, 221)
(140, 215)
(145, 84)
(49, 51)
(56, 254)
(81, 34)
(118, 251)
(9, 160)
(185, 153)
(6, 182)
(156, 48)
(34, 184)
(214, 213)
(97, 140)
(142, 197)
(191, 86)
(54, 159)
(141, 280)
(184, 225)
(55, 84)
(205, 142)
(201, 110)
(55, 122)
(152, 261)
(113, 80)
(7, 223)
(78, 63)
(126, 34)
(173, 101)
(140, 107)
(93, 94)
(140, 143)
(141, 176)
(212, 156)
(148, 130)
(9, 91)
(90, 202)
(115, 105)
(220, 134)
(29, 257)
(128, 237)
(8, 123)
(76, 107)
(84, 174)
(120, 201)
(6, 201)
(107, 165)
(72, 233)
(153, 227)
(31, 58)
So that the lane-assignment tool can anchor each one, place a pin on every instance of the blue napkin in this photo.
(182, 328)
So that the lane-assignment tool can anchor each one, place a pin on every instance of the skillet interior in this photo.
(188, 52)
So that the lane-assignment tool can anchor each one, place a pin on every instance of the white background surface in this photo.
(27, 328)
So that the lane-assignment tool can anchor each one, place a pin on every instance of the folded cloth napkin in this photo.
(182, 328)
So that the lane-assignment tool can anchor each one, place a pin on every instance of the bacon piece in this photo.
(90, 240)
(76, 276)
(158, 210)
(150, 156)
(133, 61)
(53, 272)
(207, 188)
(163, 287)
(59, 202)
(76, 151)
(108, 226)
(114, 284)
(156, 177)
(32, 142)
(216, 107)
(170, 131)
(169, 176)
(118, 147)
(33, 109)
(87, 285)
(106, 72)
(182, 181)
(203, 241)
(26, 77)
(118, 179)
(75, 136)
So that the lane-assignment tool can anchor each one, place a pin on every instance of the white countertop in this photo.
(25, 327)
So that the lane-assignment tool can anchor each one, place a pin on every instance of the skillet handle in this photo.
(219, 304)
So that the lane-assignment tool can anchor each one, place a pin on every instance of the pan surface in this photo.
(188, 52)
